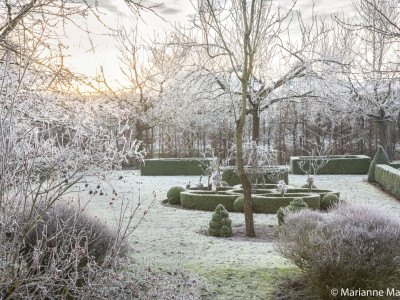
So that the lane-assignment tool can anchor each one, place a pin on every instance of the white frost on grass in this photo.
(169, 234)
(353, 189)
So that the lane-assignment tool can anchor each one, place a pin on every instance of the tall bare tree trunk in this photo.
(248, 209)
(256, 126)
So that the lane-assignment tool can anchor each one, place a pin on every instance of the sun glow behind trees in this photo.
(86, 53)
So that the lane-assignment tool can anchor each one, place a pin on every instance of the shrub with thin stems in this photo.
(51, 143)
(351, 246)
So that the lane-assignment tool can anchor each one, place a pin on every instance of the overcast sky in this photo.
(115, 11)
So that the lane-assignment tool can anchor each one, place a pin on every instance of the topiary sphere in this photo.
(220, 224)
(305, 186)
(296, 205)
(329, 200)
(223, 183)
(238, 205)
(174, 194)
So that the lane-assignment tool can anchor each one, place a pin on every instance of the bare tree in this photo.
(373, 72)
(232, 33)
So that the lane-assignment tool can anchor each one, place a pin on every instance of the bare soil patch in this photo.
(264, 234)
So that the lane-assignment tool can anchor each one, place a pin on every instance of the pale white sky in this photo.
(115, 11)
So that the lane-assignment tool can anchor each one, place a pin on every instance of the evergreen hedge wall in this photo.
(230, 176)
(173, 166)
(337, 164)
(389, 177)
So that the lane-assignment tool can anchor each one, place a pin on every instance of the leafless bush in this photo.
(66, 228)
(355, 247)
(48, 250)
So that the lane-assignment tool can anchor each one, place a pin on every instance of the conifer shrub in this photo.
(380, 158)
(220, 224)
(351, 246)
(174, 194)
(328, 201)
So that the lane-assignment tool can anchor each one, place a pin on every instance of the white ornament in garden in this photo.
(216, 179)
(282, 187)
(310, 181)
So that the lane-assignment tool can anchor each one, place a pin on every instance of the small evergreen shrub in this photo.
(174, 193)
(328, 201)
(380, 158)
(238, 205)
(220, 224)
(224, 183)
(296, 205)
(351, 246)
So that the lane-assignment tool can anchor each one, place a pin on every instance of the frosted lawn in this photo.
(169, 235)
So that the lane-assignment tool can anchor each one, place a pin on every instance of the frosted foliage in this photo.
(346, 243)
(257, 156)
(50, 143)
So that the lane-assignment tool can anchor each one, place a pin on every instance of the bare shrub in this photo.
(64, 229)
(51, 145)
(355, 247)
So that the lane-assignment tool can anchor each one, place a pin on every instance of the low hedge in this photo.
(269, 186)
(321, 192)
(263, 203)
(231, 177)
(389, 177)
(337, 164)
(221, 188)
(270, 203)
(173, 166)
(207, 200)
(253, 191)
(395, 164)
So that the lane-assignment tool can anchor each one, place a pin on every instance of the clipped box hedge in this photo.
(389, 177)
(337, 164)
(321, 192)
(230, 176)
(253, 191)
(262, 203)
(207, 200)
(270, 203)
(269, 186)
(173, 166)
(395, 164)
